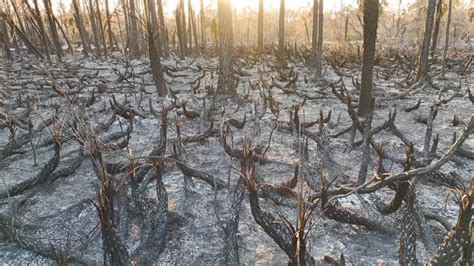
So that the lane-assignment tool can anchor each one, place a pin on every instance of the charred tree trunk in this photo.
(226, 78)
(314, 35)
(192, 22)
(153, 20)
(80, 28)
(260, 25)
(163, 31)
(179, 29)
(109, 24)
(319, 55)
(203, 26)
(446, 41)
(44, 37)
(53, 29)
(371, 13)
(95, 31)
(281, 32)
(134, 33)
(155, 62)
(439, 13)
(182, 22)
(370, 36)
(101, 27)
(423, 68)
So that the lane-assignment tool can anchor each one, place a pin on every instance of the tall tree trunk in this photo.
(153, 20)
(184, 32)
(80, 28)
(314, 35)
(101, 27)
(203, 26)
(423, 67)
(371, 14)
(126, 20)
(134, 33)
(189, 30)
(155, 61)
(44, 37)
(95, 31)
(179, 33)
(226, 78)
(53, 29)
(319, 55)
(439, 13)
(446, 41)
(281, 32)
(370, 37)
(192, 19)
(260, 26)
(163, 31)
(109, 24)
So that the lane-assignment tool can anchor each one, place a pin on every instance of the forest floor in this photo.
(64, 210)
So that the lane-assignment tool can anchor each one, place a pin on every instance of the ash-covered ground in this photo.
(62, 213)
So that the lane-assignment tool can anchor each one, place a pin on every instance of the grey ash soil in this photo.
(64, 209)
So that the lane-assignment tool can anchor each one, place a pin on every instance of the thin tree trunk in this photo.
(281, 32)
(260, 26)
(95, 31)
(423, 68)
(189, 30)
(42, 30)
(319, 55)
(52, 29)
(179, 33)
(183, 27)
(20, 20)
(134, 33)
(109, 23)
(193, 26)
(203, 26)
(226, 79)
(163, 30)
(314, 35)
(446, 41)
(439, 12)
(346, 29)
(101, 27)
(80, 28)
(155, 62)
(127, 24)
(153, 20)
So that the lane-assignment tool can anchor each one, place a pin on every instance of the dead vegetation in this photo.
(181, 159)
